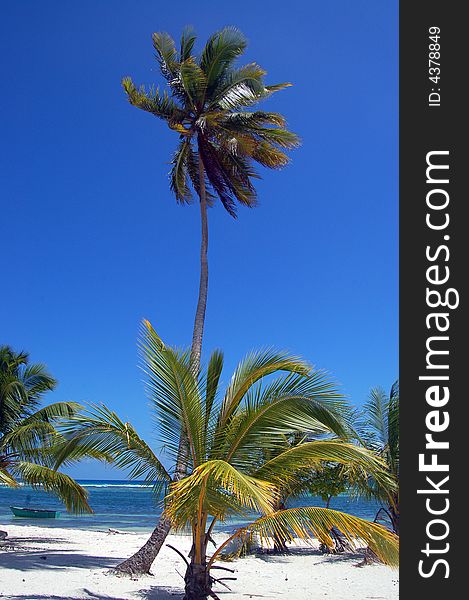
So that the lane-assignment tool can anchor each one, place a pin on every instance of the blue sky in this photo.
(94, 242)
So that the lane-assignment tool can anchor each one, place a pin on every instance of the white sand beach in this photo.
(39, 563)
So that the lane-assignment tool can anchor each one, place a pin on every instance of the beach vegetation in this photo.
(206, 101)
(238, 460)
(378, 427)
(28, 430)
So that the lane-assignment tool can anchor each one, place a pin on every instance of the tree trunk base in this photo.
(340, 544)
(370, 558)
(141, 562)
(280, 547)
(198, 583)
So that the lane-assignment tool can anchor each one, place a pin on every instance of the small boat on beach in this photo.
(34, 513)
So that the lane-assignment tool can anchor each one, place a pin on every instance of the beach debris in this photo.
(117, 531)
(3, 534)
(368, 559)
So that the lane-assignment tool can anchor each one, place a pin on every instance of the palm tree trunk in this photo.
(197, 579)
(198, 583)
(280, 542)
(140, 563)
(199, 321)
(394, 512)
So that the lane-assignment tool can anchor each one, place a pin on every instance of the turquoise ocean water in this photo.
(131, 505)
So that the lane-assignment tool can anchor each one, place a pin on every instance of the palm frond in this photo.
(222, 48)
(194, 175)
(241, 120)
(253, 368)
(174, 392)
(296, 403)
(188, 38)
(224, 181)
(193, 81)
(241, 95)
(308, 523)
(269, 156)
(393, 428)
(53, 412)
(179, 172)
(37, 380)
(152, 101)
(69, 491)
(282, 468)
(214, 370)
(376, 409)
(26, 439)
(166, 54)
(245, 82)
(277, 87)
(213, 480)
(6, 478)
(99, 433)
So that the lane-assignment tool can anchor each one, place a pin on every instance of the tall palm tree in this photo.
(379, 430)
(230, 436)
(219, 140)
(27, 431)
(205, 103)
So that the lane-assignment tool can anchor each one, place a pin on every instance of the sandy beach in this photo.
(39, 563)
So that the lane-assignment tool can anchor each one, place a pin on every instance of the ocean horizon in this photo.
(132, 506)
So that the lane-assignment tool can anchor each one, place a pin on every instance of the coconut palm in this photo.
(205, 102)
(379, 430)
(270, 395)
(27, 429)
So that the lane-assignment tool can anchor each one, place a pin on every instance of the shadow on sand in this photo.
(345, 557)
(23, 558)
(153, 593)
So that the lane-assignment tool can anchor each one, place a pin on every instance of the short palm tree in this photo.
(379, 430)
(27, 430)
(270, 395)
(205, 102)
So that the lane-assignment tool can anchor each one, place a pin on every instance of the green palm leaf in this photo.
(53, 412)
(69, 491)
(207, 488)
(282, 468)
(188, 38)
(174, 392)
(193, 81)
(26, 439)
(222, 48)
(166, 53)
(214, 370)
(6, 478)
(152, 101)
(179, 172)
(254, 367)
(294, 403)
(99, 433)
(312, 522)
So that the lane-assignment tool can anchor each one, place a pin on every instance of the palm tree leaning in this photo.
(219, 141)
(230, 434)
(27, 431)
